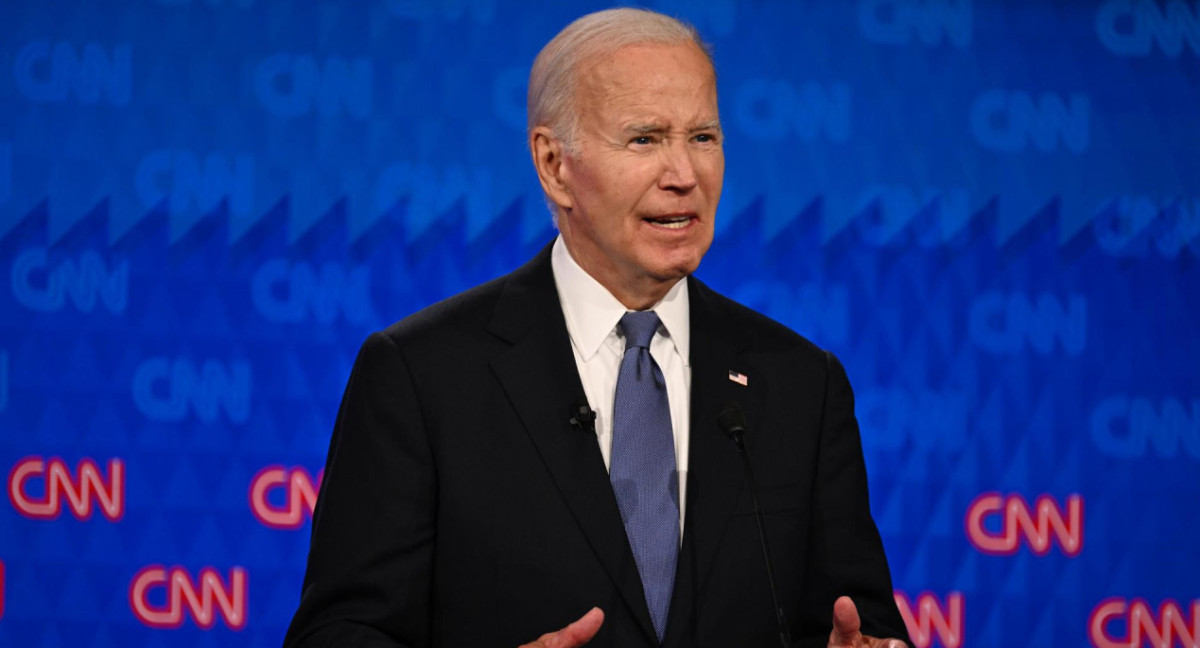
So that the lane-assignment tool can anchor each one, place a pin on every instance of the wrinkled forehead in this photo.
(646, 59)
(678, 77)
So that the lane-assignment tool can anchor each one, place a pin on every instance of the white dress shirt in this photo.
(592, 314)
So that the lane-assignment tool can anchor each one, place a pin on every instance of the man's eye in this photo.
(643, 140)
(706, 138)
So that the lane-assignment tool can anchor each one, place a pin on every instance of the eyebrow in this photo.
(644, 129)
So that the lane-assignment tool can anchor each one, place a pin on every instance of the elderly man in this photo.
(547, 445)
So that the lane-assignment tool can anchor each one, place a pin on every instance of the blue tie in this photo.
(642, 466)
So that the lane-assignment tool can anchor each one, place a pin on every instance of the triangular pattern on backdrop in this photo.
(105, 543)
(209, 544)
(77, 600)
(282, 598)
(183, 488)
(33, 602)
(938, 247)
(158, 541)
(107, 430)
(261, 547)
(100, 638)
(232, 491)
(966, 578)
(57, 541)
(51, 637)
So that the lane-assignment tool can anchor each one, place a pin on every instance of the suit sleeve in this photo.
(370, 561)
(847, 553)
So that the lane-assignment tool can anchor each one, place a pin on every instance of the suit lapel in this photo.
(542, 382)
(715, 475)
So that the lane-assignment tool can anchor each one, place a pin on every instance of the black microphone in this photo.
(732, 421)
(583, 418)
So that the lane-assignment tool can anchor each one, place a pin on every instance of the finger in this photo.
(577, 634)
(884, 643)
(845, 623)
(582, 630)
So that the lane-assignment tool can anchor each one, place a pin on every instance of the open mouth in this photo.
(673, 221)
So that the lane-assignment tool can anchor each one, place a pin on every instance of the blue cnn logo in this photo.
(820, 309)
(294, 85)
(899, 22)
(1009, 121)
(930, 420)
(433, 192)
(299, 292)
(169, 389)
(43, 282)
(1010, 323)
(1135, 226)
(1132, 427)
(771, 110)
(52, 72)
(194, 183)
(1134, 27)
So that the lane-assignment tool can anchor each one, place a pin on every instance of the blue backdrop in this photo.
(990, 211)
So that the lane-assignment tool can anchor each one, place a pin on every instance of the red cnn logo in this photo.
(932, 615)
(180, 590)
(80, 489)
(1036, 524)
(1141, 624)
(300, 493)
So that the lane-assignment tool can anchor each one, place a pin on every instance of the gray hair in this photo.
(553, 79)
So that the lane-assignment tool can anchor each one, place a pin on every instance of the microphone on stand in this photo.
(732, 421)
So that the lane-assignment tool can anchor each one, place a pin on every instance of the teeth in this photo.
(671, 223)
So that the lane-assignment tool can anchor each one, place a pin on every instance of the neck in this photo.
(640, 300)
(634, 293)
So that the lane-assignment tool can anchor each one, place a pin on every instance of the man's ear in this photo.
(548, 157)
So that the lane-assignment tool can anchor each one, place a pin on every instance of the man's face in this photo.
(646, 176)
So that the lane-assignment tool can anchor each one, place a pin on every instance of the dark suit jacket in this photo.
(460, 507)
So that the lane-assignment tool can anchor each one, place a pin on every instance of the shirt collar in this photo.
(592, 312)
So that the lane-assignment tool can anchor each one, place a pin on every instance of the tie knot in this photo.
(639, 328)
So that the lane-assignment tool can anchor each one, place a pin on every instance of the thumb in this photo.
(577, 634)
(845, 623)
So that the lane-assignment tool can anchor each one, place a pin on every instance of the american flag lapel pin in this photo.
(739, 378)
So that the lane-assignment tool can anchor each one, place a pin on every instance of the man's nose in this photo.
(679, 174)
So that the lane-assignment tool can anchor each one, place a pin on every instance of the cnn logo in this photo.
(176, 594)
(929, 619)
(1167, 628)
(295, 487)
(1038, 525)
(82, 489)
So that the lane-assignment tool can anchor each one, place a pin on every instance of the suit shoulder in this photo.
(466, 313)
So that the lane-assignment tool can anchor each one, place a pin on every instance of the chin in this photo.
(676, 268)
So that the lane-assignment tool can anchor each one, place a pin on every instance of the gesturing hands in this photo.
(845, 632)
(846, 626)
(577, 634)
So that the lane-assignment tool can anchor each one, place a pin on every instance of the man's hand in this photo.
(846, 629)
(576, 634)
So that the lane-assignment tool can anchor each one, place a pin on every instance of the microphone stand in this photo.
(733, 422)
